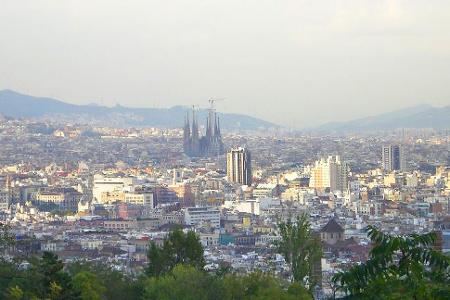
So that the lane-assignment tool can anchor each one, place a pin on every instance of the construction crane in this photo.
(212, 102)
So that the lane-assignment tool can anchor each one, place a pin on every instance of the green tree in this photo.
(8, 274)
(48, 278)
(44, 279)
(178, 248)
(7, 239)
(259, 285)
(183, 282)
(399, 267)
(119, 286)
(158, 260)
(300, 248)
(89, 286)
(56, 291)
(14, 293)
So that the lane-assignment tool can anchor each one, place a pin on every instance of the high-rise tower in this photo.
(329, 173)
(239, 166)
(392, 158)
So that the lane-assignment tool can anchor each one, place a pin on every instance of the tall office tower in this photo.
(329, 173)
(239, 166)
(393, 158)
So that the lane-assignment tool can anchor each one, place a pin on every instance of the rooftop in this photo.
(332, 226)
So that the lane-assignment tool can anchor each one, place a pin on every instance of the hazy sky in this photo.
(297, 63)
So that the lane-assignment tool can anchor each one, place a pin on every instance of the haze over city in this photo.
(224, 150)
(294, 63)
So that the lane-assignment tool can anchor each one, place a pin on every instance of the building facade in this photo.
(239, 166)
(196, 216)
(329, 173)
(393, 158)
(66, 198)
(5, 200)
(105, 186)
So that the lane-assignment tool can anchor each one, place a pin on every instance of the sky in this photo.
(296, 63)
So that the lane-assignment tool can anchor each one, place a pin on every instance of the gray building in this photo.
(393, 158)
(239, 166)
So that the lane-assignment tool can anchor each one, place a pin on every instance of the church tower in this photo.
(187, 147)
(195, 140)
(210, 144)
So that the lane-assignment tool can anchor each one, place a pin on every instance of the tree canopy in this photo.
(178, 248)
(399, 267)
(300, 248)
(188, 283)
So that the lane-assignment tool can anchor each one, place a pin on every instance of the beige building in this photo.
(66, 198)
(329, 173)
(140, 198)
(120, 225)
(144, 198)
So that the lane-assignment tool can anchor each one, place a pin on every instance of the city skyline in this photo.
(225, 150)
(113, 196)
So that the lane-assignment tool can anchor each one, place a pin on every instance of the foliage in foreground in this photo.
(86, 281)
(300, 248)
(178, 248)
(175, 272)
(399, 267)
(186, 282)
(44, 279)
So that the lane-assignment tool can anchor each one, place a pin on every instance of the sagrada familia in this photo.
(210, 144)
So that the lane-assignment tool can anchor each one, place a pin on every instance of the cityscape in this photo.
(104, 196)
(224, 150)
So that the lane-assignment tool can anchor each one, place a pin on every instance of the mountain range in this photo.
(17, 105)
(420, 116)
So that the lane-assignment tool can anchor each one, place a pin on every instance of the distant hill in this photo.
(421, 116)
(16, 105)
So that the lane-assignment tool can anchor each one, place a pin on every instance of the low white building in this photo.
(249, 206)
(252, 206)
(195, 216)
(105, 184)
(264, 190)
(140, 198)
(91, 244)
(209, 239)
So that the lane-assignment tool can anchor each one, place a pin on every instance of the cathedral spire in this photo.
(195, 142)
(187, 135)
(208, 145)
(194, 123)
(187, 126)
(208, 127)
(218, 126)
